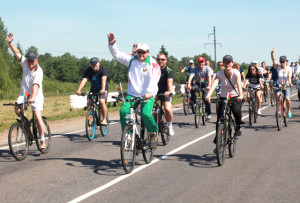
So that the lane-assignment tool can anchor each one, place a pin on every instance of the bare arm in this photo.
(275, 64)
(14, 49)
(246, 83)
(211, 90)
(182, 70)
(239, 86)
(104, 78)
(35, 89)
(81, 85)
(190, 80)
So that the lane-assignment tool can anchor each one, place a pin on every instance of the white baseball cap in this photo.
(253, 62)
(191, 61)
(142, 46)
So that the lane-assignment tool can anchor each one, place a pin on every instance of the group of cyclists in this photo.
(149, 77)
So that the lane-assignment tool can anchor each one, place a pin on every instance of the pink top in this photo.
(226, 86)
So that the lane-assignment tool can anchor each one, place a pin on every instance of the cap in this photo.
(228, 58)
(191, 61)
(142, 46)
(253, 62)
(31, 56)
(282, 59)
(94, 60)
(201, 59)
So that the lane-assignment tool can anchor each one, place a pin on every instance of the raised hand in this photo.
(10, 38)
(272, 51)
(111, 38)
(134, 47)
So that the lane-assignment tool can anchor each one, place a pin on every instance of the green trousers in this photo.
(146, 113)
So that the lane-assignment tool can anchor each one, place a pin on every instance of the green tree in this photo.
(31, 49)
(164, 51)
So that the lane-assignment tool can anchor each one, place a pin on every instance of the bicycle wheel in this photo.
(18, 142)
(251, 113)
(221, 142)
(254, 109)
(186, 103)
(147, 151)
(217, 103)
(197, 114)
(231, 139)
(90, 125)
(164, 132)
(104, 128)
(279, 120)
(48, 138)
(203, 114)
(128, 149)
(272, 96)
(285, 118)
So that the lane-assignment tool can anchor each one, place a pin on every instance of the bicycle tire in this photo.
(104, 128)
(231, 140)
(186, 103)
(271, 96)
(48, 138)
(251, 115)
(220, 144)
(16, 139)
(147, 151)
(164, 132)
(197, 114)
(127, 150)
(217, 103)
(203, 114)
(254, 109)
(278, 115)
(90, 125)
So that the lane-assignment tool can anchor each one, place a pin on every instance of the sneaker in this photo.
(103, 123)
(208, 118)
(237, 133)
(171, 131)
(153, 140)
(42, 145)
(258, 111)
(290, 115)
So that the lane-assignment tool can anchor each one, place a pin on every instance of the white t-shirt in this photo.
(282, 76)
(226, 86)
(31, 77)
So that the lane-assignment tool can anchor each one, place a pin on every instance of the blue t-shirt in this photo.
(274, 74)
(96, 78)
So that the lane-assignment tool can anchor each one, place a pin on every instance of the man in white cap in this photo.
(188, 69)
(143, 76)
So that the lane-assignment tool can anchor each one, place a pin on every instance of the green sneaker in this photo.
(153, 140)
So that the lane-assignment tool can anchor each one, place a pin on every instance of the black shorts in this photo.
(165, 99)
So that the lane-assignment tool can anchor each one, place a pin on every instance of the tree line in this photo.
(63, 73)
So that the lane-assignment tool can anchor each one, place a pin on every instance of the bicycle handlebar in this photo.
(15, 104)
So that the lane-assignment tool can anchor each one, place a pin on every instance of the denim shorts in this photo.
(287, 92)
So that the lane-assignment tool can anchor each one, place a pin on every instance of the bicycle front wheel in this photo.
(147, 150)
(221, 143)
(48, 138)
(186, 103)
(104, 128)
(203, 114)
(128, 149)
(231, 140)
(197, 114)
(18, 142)
(251, 113)
(90, 125)
(278, 116)
(272, 96)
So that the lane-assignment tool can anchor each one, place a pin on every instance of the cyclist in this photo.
(143, 77)
(232, 86)
(254, 77)
(202, 75)
(188, 69)
(165, 86)
(266, 75)
(97, 74)
(31, 86)
(284, 76)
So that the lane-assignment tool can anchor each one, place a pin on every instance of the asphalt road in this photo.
(265, 168)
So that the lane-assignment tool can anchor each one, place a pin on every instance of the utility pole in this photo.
(215, 46)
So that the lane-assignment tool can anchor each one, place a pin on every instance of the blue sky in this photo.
(247, 30)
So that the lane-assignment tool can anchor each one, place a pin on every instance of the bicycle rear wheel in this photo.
(164, 132)
(18, 142)
(104, 128)
(90, 125)
(128, 149)
(231, 139)
(48, 138)
(186, 103)
(278, 115)
(221, 142)
(197, 114)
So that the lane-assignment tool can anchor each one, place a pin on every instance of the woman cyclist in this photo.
(254, 77)
(230, 84)
(284, 76)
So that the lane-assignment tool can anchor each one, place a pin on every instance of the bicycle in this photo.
(94, 117)
(132, 142)
(160, 118)
(200, 108)
(280, 114)
(187, 102)
(265, 93)
(272, 92)
(225, 136)
(218, 96)
(252, 106)
(24, 133)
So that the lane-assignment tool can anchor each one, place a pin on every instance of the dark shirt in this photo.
(96, 78)
(253, 79)
(166, 74)
(266, 75)
(274, 74)
(201, 75)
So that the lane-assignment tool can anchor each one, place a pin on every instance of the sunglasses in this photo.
(30, 61)
(160, 59)
(141, 52)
